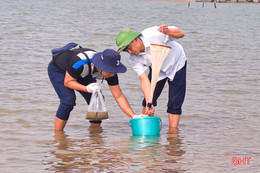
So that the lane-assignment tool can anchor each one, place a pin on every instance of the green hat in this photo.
(124, 38)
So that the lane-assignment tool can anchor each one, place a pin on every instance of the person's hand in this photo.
(150, 111)
(139, 116)
(163, 29)
(92, 87)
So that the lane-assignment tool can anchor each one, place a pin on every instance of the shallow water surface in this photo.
(220, 118)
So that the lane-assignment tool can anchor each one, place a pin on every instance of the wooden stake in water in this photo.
(215, 5)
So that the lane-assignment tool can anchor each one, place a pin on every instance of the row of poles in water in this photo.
(215, 1)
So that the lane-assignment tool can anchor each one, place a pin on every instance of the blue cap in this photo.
(109, 61)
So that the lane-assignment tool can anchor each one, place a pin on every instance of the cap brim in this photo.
(128, 41)
(107, 68)
(122, 49)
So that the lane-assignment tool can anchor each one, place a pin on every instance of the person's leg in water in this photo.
(177, 89)
(67, 97)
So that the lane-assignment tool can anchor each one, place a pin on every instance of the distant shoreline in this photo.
(169, 0)
(208, 1)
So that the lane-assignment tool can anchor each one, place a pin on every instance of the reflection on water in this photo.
(150, 154)
(73, 154)
(61, 140)
(173, 148)
(142, 142)
(93, 154)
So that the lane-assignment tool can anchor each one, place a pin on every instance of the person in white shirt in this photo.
(173, 69)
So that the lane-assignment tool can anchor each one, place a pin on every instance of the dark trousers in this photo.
(66, 95)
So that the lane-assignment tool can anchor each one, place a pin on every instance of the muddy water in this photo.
(96, 115)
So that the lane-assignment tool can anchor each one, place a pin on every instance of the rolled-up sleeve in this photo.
(169, 38)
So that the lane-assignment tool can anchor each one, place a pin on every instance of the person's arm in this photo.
(174, 32)
(121, 100)
(146, 87)
(72, 83)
